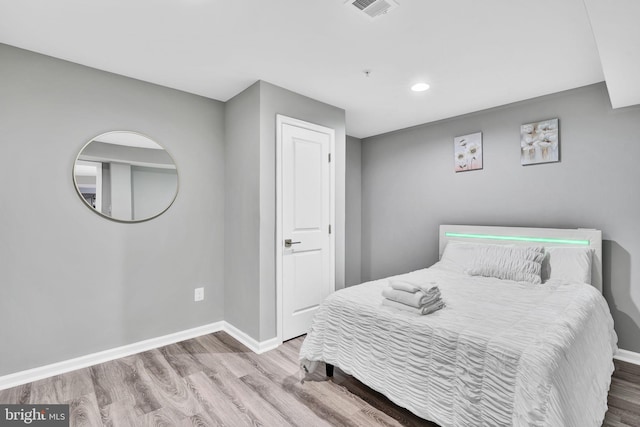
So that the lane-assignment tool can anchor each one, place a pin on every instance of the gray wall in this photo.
(121, 197)
(152, 190)
(72, 282)
(106, 188)
(276, 100)
(242, 211)
(250, 285)
(353, 244)
(409, 188)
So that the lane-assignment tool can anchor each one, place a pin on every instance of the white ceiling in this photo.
(474, 54)
(128, 139)
(617, 33)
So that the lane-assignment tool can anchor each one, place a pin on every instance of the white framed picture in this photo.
(467, 151)
(539, 142)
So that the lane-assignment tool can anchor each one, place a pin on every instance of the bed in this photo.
(501, 353)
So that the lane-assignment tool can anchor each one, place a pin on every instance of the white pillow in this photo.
(519, 263)
(571, 265)
(460, 254)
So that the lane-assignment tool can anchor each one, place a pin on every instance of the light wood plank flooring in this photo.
(214, 380)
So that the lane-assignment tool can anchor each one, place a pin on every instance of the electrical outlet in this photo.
(198, 294)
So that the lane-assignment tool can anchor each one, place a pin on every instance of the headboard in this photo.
(580, 237)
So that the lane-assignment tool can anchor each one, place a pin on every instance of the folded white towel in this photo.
(427, 309)
(429, 288)
(408, 298)
(403, 286)
(417, 299)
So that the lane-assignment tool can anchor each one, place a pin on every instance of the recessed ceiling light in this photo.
(419, 87)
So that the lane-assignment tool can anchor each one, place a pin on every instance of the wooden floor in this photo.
(624, 396)
(213, 380)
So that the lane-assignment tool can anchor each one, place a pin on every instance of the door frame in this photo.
(98, 166)
(285, 120)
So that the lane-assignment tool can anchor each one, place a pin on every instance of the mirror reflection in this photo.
(126, 176)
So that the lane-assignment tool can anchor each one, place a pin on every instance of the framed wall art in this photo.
(539, 142)
(468, 152)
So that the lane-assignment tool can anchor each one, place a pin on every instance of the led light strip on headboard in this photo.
(519, 238)
(527, 236)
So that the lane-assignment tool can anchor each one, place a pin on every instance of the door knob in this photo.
(288, 243)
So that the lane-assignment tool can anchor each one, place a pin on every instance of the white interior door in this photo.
(306, 237)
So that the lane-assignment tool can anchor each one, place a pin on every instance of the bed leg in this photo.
(329, 369)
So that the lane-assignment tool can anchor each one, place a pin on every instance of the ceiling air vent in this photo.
(373, 8)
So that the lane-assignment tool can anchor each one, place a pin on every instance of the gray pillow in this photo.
(519, 263)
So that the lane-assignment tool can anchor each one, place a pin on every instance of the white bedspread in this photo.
(501, 353)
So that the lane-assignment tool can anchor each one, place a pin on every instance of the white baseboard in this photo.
(628, 356)
(254, 345)
(35, 374)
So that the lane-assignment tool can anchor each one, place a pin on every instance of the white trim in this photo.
(278, 250)
(280, 120)
(35, 374)
(628, 356)
(58, 368)
(254, 345)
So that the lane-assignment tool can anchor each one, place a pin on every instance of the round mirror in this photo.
(125, 176)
